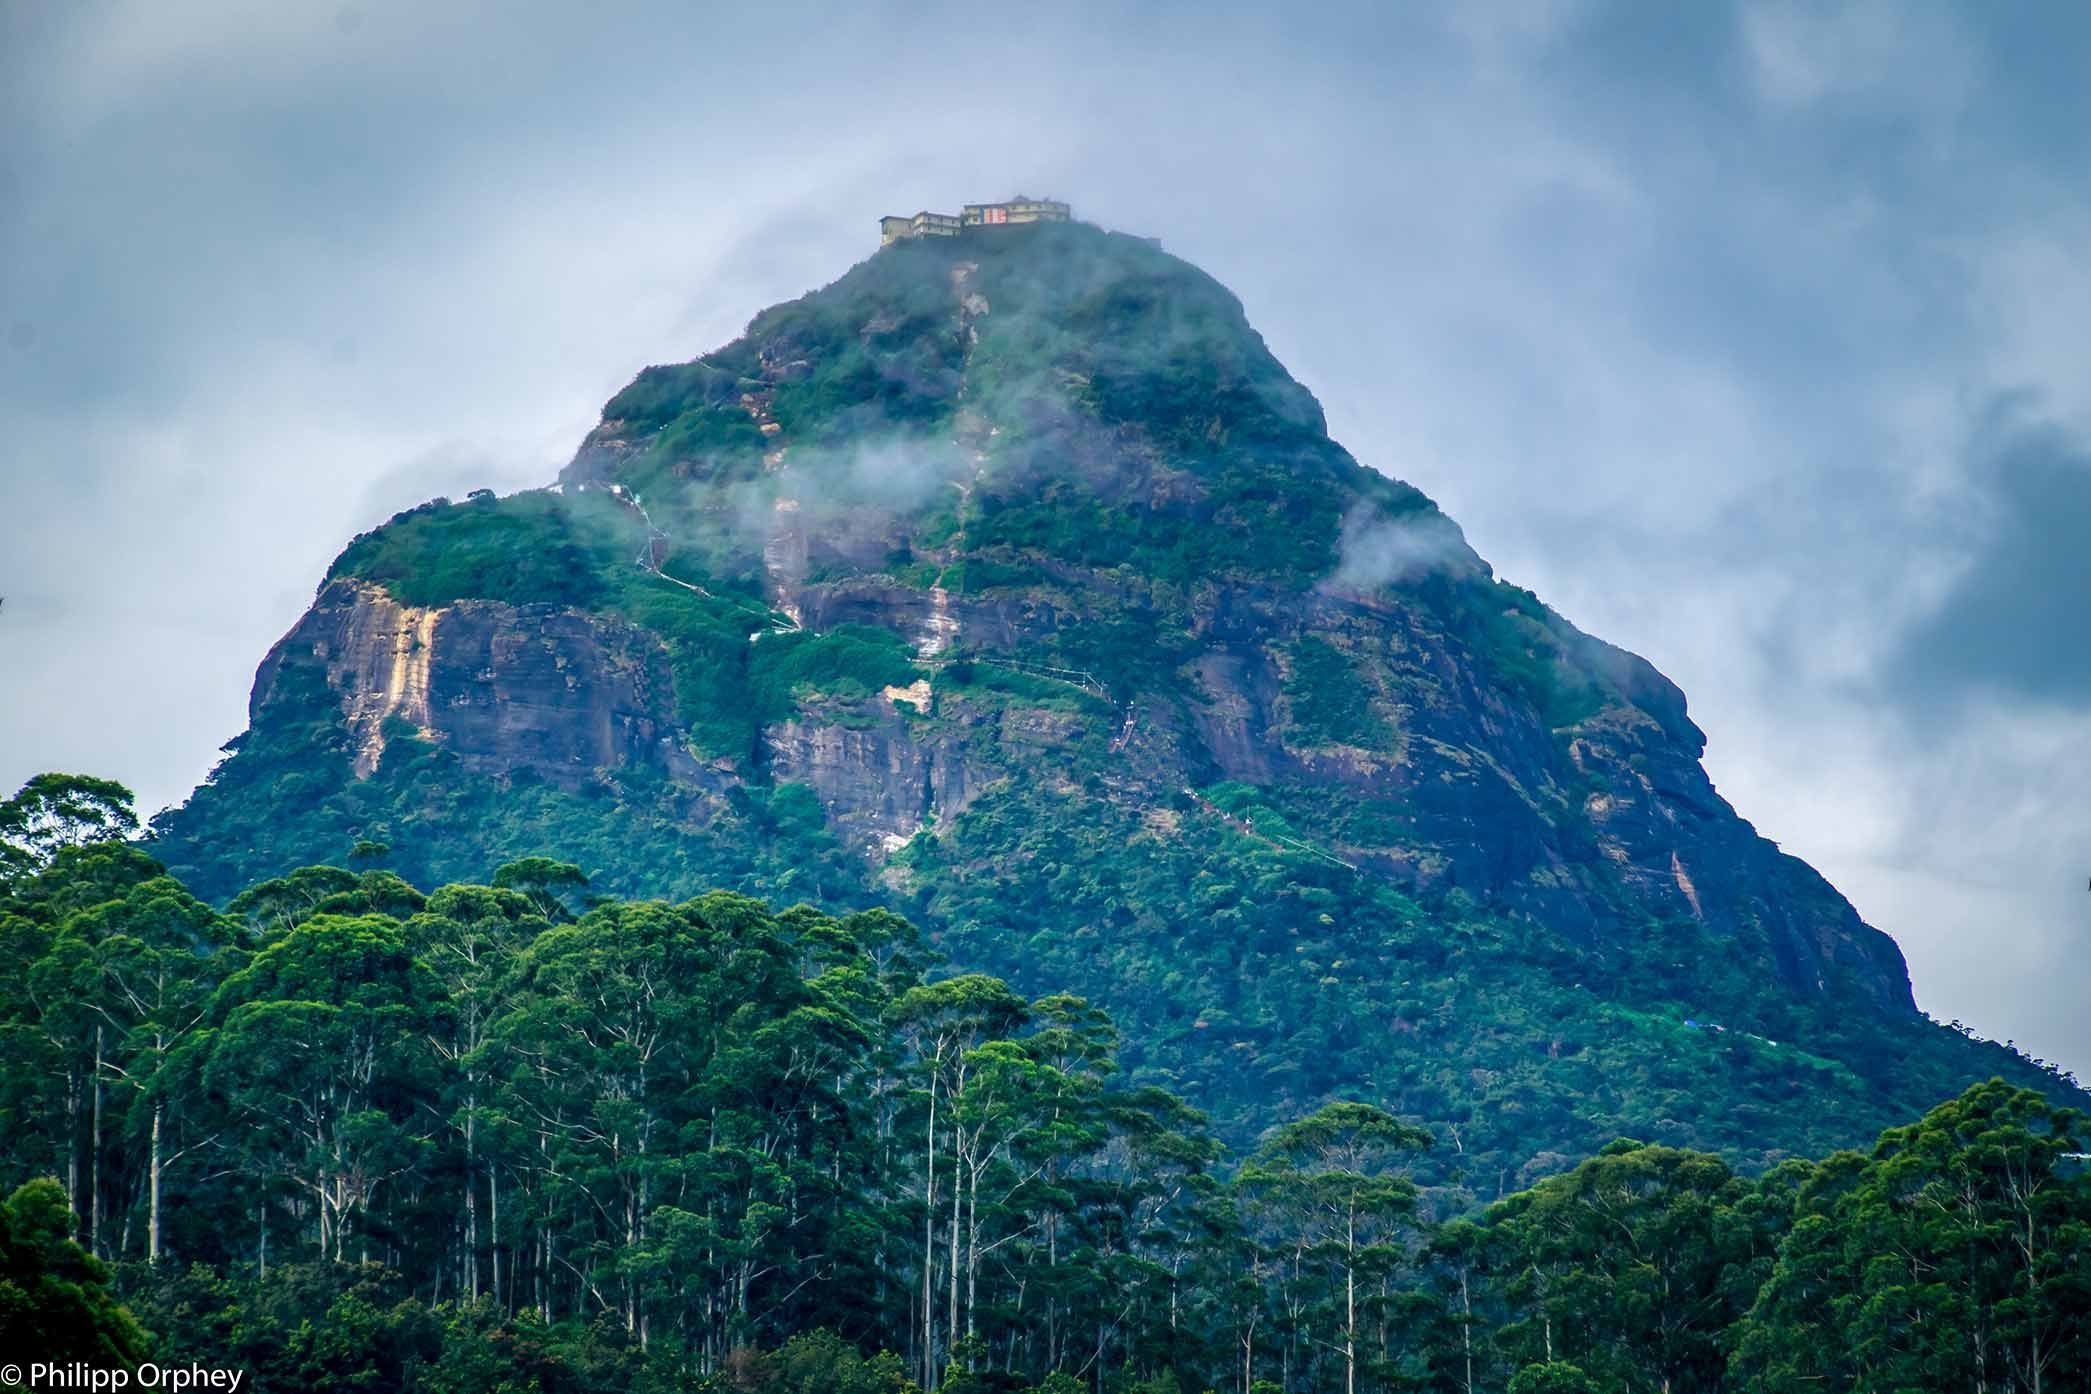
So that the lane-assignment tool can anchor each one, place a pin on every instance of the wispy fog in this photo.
(1383, 551)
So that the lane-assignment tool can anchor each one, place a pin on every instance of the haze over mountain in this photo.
(1011, 580)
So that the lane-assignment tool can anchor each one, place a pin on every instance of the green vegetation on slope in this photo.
(527, 549)
(1331, 704)
(1248, 944)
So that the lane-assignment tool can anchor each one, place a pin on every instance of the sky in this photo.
(1750, 335)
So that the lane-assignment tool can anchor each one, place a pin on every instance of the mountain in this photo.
(1010, 581)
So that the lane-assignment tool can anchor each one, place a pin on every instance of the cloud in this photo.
(1802, 52)
(2014, 623)
(448, 469)
(1378, 551)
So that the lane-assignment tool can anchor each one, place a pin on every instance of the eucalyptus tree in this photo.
(942, 1024)
(317, 1051)
(1459, 1272)
(55, 811)
(1072, 1045)
(467, 938)
(282, 903)
(1956, 1256)
(66, 822)
(1648, 1255)
(64, 1039)
(593, 1053)
(546, 882)
(666, 1079)
(159, 954)
(1334, 1185)
(63, 1022)
(1146, 1187)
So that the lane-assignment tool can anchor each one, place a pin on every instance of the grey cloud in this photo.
(1381, 551)
(449, 469)
(2014, 623)
(895, 474)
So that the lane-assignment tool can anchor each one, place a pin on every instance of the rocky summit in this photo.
(1009, 582)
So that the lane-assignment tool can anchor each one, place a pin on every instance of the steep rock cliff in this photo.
(558, 692)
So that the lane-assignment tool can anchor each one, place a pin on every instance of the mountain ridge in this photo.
(1010, 579)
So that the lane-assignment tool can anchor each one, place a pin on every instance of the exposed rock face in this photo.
(377, 654)
(880, 781)
(505, 687)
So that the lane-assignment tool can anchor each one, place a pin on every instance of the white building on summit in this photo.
(1021, 209)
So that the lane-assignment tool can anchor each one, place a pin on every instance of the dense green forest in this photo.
(344, 1133)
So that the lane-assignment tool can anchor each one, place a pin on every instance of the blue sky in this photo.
(1750, 335)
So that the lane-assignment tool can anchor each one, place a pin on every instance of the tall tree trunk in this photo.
(152, 1209)
(1052, 1228)
(72, 1148)
(957, 1196)
(94, 1158)
(929, 1249)
(493, 1226)
(972, 1250)
(1466, 1326)
(471, 1267)
(2034, 1362)
(1546, 1315)
(1350, 1307)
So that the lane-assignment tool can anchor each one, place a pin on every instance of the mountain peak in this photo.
(990, 340)
(974, 218)
(1011, 581)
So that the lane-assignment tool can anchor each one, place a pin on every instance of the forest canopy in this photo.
(346, 1132)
